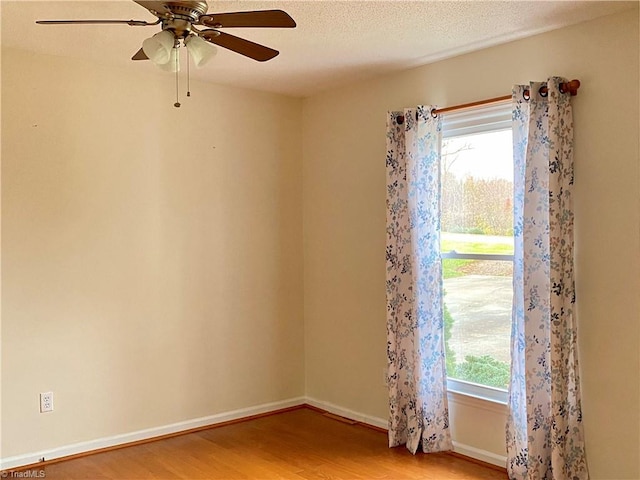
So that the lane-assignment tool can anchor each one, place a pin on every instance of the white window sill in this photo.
(477, 396)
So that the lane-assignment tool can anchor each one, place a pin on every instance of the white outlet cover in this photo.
(46, 402)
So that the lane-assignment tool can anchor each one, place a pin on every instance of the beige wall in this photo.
(344, 224)
(152, 256)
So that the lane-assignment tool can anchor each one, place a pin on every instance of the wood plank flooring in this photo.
(300, 444)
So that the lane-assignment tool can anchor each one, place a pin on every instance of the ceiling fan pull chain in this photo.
(188, 76)
(177, 104)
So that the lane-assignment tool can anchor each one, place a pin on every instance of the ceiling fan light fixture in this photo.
(173, 65)
(159, 48)
(200, 50)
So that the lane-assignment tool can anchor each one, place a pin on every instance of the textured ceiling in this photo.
(336, 42)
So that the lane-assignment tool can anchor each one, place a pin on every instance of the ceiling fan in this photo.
(182, 19)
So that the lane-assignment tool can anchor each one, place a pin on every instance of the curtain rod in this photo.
(571, 87)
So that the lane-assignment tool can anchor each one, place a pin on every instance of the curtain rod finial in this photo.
(571, 87)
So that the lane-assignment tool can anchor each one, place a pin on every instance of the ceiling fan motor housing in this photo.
(188, 10)
(183, 15)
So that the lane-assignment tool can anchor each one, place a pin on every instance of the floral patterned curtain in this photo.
(415, 333)
(544, 430)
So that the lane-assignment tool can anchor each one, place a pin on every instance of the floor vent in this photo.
(348, 421)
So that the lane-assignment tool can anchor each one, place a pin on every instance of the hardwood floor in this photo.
(298, 444)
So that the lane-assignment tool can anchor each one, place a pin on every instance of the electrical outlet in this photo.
(46, 402)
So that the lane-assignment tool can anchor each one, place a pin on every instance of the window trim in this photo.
(482, 119)
(475, 390)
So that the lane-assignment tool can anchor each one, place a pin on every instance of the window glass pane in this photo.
(477, 193)
(477, 218)
(477, 300)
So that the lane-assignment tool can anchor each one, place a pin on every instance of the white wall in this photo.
(152, 256)
(344, 225)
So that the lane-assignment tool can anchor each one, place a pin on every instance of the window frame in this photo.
(480, 119)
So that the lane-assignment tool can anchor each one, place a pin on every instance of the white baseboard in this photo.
(83, 447)
(479, 454)
(461, 448)
(350, 414)
(106, 442)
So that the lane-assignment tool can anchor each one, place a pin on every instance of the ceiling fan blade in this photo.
(160, 7)
(140, 55)
(260, 19)
(240, 45)
(135, 23)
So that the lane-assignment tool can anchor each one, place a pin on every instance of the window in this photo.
(477, 248)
